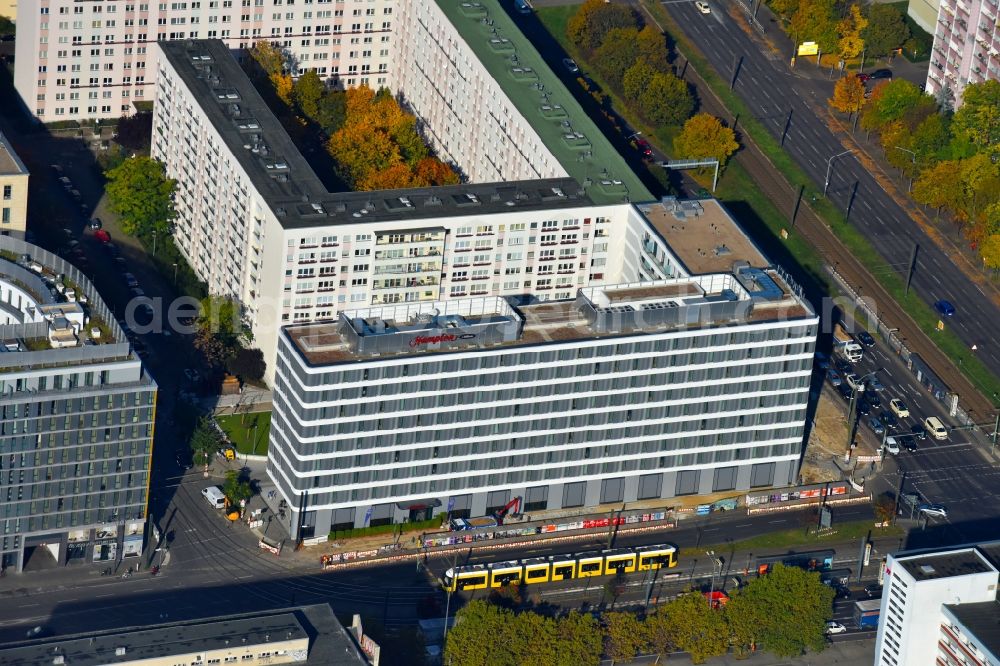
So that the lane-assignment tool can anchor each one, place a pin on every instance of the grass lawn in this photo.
(240, 430)
(798, 537)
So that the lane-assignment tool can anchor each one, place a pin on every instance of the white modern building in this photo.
(939, 608)
(649, 389)
(257, 224)
(77, 60)
(966, 46)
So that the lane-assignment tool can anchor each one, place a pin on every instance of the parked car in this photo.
(137, 292)
(873, 398)
(918, 431)
(873, 590)
(945, 308)
(845, 391)
(703, 7)
(121, 265)
(842, 366)
(95, 223)
(834, 377)
(835, 628)
(876, 425)
(907, 442)
(865, 338)
(570, 65)
(822, 361)
(937, 510)
(899, 408)
(880, 74)
(644, 149)
(66, 183)
(892, 445)
(130, 280)
(853, 381)
(183, 461)
(864, 408)
(890, 421)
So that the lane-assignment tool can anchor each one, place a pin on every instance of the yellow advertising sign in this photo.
(808, 48)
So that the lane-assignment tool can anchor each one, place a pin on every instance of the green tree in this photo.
(939, 186)
(667, 100)
(140, 194)
(930, 139)
(886, 29)
(816, 21)
(7, 26)
(884, 507)
(247, 363)
(594, 19)
(978, 119)
(624, 636)
(618, 51)
(790, 607)
(659, 634)
(704, 136)
(236, 488)
(784, 8)
(893, 101)
(222, 318)
(635, 81)
(466, 647)
(308, 93)
(204, 442)
(578, 640)
(331, 112)
(693, 626)
(135, 132)
(272, 60)
(653, 48)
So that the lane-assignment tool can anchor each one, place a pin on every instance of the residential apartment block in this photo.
(78, 60)
(256, 223)
(654, 388)
(966, 46)
(940, 608)
(13, 191)
(76, 419)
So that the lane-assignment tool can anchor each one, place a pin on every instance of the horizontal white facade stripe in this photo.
(517, 350)
(549, 415)
(294, 502)
(276, 427)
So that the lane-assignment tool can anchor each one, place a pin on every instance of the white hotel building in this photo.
(939, 608)
(710, 394)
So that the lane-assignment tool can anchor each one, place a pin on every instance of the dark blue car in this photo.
(944, 308)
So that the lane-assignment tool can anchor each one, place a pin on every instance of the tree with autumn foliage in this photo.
(848, 95)
(378, 146)
(850, 27)
(704, 136)
(594, 19)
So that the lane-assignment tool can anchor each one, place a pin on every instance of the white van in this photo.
(935, 427)
(215, 497)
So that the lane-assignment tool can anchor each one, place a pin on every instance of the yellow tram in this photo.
(560, 567)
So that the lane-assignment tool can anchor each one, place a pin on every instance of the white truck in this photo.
(845, 344)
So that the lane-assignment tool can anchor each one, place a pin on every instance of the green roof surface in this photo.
(538, 94)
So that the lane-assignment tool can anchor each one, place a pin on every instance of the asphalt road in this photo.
(956, 472)
(772, 91)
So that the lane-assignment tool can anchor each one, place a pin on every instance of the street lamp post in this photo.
(853, 414)
(154, 243)
(829, 168)
(913, 161)
(175, 274)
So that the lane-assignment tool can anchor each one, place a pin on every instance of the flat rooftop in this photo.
(540, 96)
(612, 310)
(935, 566)
(288, 183)
(702, 235)
(10, 163)
(982, 620)
(329, 643)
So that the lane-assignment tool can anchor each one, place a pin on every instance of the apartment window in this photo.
(8, 192)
